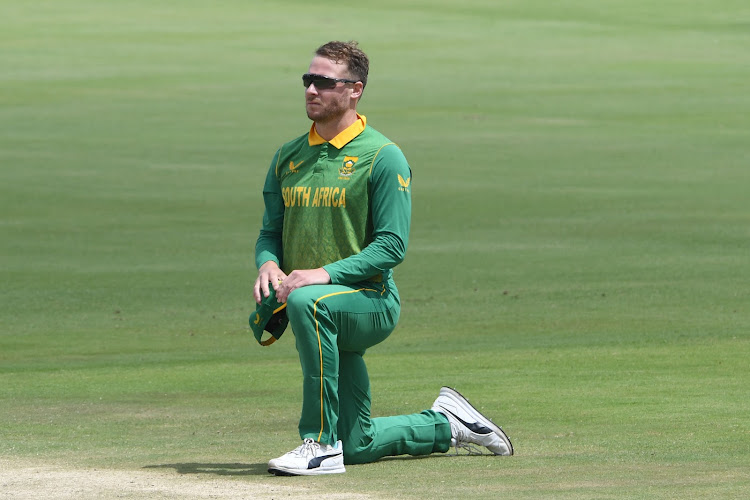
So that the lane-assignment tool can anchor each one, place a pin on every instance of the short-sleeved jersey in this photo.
(344, 205)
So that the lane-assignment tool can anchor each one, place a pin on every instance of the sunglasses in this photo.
(322, 82)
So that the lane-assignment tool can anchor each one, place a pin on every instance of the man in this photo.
(336, 222)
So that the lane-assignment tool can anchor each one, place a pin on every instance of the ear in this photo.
(357, 89)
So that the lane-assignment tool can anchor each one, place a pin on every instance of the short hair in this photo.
(347, 52)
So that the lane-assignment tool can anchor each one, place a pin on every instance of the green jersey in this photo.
(344, 205)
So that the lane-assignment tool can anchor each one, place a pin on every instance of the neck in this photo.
(331, 128)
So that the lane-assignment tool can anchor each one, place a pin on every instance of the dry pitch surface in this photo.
(34, 480)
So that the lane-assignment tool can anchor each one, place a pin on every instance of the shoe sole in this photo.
(461, 400)
(280, 471)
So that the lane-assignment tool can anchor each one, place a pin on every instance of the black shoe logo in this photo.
(315, 462)
(474, 427)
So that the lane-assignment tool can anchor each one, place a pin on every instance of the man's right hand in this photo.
(269, 273)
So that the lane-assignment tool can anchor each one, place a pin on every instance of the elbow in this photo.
(397, 251)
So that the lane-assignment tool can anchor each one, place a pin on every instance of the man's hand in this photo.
(269, 272)
(302, 277)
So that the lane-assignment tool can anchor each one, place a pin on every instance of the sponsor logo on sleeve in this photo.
(404, 184)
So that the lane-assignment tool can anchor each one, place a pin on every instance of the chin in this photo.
(316, 115)
(312, 111)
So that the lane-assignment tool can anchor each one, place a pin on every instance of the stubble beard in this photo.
(327, 113)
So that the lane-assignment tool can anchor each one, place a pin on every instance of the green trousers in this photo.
(333, 326)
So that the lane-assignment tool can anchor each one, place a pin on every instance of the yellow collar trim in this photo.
(344, 137)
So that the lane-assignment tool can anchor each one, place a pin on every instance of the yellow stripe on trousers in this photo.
(320, 348)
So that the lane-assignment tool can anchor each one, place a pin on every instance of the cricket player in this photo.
(336, 222)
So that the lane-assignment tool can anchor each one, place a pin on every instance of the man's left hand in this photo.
(301, 277)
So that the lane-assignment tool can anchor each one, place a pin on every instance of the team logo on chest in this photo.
(347, 168)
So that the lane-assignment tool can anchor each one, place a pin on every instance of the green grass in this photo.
(578, 264)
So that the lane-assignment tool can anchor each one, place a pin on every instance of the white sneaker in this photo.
(469, 427)
(309, 459)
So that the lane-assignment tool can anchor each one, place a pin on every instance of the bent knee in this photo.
(300, 301)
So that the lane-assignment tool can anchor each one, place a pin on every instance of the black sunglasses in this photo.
(323, 82)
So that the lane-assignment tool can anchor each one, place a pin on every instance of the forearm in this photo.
(269, 247)
(384, 253)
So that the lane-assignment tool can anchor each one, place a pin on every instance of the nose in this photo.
(311, 89)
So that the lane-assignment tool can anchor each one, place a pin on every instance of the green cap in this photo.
(269, 316)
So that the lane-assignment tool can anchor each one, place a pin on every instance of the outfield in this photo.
(578, 265)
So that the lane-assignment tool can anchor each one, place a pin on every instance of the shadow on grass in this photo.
(405, 458)
(238, 469)
(235, 469)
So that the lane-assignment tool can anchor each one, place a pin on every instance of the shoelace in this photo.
(462, 443)
(308, 448)
(470, 449)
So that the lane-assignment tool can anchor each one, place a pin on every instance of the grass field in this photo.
(579, 262)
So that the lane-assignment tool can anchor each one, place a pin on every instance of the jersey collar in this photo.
(344, 137)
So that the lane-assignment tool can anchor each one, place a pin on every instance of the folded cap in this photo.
(269, 316)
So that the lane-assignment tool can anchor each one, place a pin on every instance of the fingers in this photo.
(290, 283)
(268, 276)
(282, 291)
(258, 292)
(276, 280)
(300, 278)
